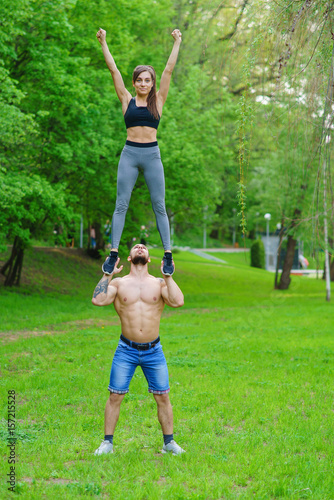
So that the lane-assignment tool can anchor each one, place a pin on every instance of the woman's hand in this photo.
(101, 35)
(177, 35)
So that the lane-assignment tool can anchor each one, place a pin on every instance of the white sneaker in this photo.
(105, 447)
(172, 447)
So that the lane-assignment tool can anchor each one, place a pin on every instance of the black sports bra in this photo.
(139, 116)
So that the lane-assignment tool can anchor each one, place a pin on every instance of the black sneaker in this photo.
(109, 265)
(168, 266)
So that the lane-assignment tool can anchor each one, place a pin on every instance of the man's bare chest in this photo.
(135, 293)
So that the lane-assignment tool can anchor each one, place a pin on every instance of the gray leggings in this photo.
(148, 160)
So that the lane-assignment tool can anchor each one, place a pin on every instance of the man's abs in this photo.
(140, 321)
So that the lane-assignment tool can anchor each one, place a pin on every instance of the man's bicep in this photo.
(111, 292)
(164, 291)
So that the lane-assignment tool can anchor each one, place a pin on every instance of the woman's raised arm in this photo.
(123, 95)
(167, 73)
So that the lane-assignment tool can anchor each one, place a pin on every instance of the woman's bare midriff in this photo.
(142, 134)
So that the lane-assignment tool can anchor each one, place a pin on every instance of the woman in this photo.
(142, 114)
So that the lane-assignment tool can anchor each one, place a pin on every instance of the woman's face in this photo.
(144, 83)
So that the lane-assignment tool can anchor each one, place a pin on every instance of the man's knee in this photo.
(162, 399)
(115, 399)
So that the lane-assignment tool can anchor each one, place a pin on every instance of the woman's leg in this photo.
(126, 178)
(155, 180)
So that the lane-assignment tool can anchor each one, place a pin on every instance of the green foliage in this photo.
(27, 204)
(244, 128)
(192, 146)
(63, 121)
(267, 397)
(257, 254)
(244, 109)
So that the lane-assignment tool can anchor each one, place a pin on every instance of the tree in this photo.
(27, 204)
(61, 121)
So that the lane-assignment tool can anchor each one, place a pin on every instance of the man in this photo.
(139, 299)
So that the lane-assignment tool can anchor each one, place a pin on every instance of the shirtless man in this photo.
(139, 299)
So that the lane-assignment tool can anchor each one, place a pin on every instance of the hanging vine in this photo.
(244, 129)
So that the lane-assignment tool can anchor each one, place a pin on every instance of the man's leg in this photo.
(122, 370)
(165, 417)
(165, 413)
(154, 366)
(111, 412)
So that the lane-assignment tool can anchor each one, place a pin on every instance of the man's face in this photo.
(139, 255)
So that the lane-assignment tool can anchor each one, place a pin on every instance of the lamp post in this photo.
(256, 225)
(267, 217)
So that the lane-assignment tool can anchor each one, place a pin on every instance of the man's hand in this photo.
(116, 269)
(101, 35)
(170, 291)
(161, 268)
(177, 35)
(106, 289)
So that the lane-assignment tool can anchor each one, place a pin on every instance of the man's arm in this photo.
(105, 291)
(171, 292)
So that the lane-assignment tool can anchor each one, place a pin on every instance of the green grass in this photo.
(251, 372)
(236, 259)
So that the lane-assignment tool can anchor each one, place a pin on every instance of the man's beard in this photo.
(139, 259)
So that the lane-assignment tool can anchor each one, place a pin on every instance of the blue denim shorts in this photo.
(152, 362)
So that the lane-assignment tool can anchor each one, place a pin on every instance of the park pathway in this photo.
(202, 253)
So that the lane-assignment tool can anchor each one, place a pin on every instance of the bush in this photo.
(257, 254)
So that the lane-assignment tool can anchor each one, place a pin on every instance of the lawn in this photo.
(251, 372)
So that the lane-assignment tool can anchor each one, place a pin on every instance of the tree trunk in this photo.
(9, 262)
(331, 263)
(331, 271)
(281, 234)
(13, 267)
(287, 266)
(100, 243)
(290, 252)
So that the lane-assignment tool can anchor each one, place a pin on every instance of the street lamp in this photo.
(267, 217)
(256, 225)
